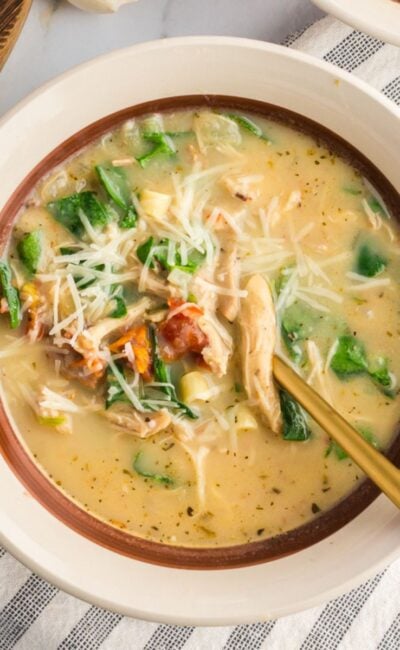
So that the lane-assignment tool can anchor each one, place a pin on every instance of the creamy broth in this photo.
(209, 224)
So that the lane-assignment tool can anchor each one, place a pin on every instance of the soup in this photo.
(146, 285)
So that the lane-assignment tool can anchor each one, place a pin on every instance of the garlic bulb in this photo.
(100, 6)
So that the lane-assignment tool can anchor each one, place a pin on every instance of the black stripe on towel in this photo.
(392, 90)
(23, 609)
(249, 637)
(91, 630)
(292, 38)
(168, 637)
(337, 617)
(353, 51)
(391, 638)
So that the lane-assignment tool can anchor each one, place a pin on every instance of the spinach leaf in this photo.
(67, 210)
(162, 374)
(376, 206)
(114, 392)
(368, 435)
(194, 259)
(378, 370)
(29, 249)
(10, 293)
(179, 134)
(159, 252)
(163, 145)
(369, 262)
(115, 183)
(295, 426)
(142, 471)
(341, 454)
(144, 250)
(129, 219)
(297, 325)
(69, 250)
(349, 358)
(81, 282)
(352, 190)
(120, 307)
(247, 124)
(282, 279)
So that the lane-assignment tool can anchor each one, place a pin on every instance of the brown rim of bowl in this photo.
(120, 541)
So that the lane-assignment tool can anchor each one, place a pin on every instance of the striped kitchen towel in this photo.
(34, 615)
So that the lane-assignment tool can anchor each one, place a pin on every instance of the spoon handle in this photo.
(382, 472)
(12, 17)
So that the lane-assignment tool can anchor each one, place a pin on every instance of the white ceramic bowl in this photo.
(141, 73)
(379, 18)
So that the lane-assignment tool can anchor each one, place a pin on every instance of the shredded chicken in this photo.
(205, 297)
(160, 287)
(109, 326)
(91, 364)
(218, 350)
(138, 424)
(35, 306)
(258, 333)
(228, 276)
(54, 417)
(240, 188)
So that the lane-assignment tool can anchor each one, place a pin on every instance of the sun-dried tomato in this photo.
(180, 335)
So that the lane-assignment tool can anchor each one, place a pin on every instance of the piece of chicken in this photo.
(218, 350)
(90, 366)
(138, 424)
(240, 188)
(206, 298)
(258, 334)
(228, 276)
(160, 287)
(108, 326)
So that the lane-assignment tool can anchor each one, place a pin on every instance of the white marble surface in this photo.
(58, 36)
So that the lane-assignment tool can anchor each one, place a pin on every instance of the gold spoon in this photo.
(382, 472)
(12, 17)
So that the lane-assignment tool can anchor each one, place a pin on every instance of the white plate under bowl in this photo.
(196, 65)
(379, 18)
